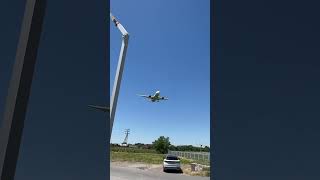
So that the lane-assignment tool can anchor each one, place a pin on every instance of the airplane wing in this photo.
(164, 98)
(142, 95)
(101, 108)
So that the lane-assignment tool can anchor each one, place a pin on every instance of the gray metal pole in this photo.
(119, 72)
(20, 86)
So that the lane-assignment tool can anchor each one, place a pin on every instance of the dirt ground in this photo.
(185, 168)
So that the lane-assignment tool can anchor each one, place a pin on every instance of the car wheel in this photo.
(164, 169)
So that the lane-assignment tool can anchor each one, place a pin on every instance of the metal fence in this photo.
(203, 156)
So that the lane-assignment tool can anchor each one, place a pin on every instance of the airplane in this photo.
(101, 108)
(155, 98)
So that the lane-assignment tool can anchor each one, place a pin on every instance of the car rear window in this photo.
(172, 158)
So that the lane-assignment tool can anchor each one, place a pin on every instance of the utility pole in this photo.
(20, 87)
(125, 141)
(119, 72)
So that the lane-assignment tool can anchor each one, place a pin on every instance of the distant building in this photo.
(124, 145)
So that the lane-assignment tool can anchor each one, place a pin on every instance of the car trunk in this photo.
(172, 161)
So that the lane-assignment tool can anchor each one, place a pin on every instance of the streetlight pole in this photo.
(119, 72)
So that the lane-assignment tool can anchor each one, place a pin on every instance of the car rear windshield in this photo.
(172, 158)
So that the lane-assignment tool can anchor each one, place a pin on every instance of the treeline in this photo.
(189, 148)
(132, 150)
(137, 145)
(142, 147)
(160, 145)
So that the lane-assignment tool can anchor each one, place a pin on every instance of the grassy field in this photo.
(146, 157)
(153, 158)
(149, 158)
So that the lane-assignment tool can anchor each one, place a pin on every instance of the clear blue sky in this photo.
(169, 50)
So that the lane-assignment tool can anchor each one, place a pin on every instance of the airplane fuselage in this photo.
(156, 97)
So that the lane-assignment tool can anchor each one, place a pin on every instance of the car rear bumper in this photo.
(171, 167)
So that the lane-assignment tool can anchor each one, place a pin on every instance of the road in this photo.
(132, 173)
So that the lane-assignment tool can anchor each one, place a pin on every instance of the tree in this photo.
(161, 144)
(206, 149)
(172, 148)
(139, 145)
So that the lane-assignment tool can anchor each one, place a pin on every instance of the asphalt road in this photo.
(130, 173)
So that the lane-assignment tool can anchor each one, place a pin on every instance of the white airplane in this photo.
(155, 98)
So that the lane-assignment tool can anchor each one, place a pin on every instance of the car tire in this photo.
(180, 170)
(164, 170)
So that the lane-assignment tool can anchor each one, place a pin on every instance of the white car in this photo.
(171, 162)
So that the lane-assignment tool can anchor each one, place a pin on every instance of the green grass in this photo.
(149, 158)
(145, 155)
(154, 158)
(203, 162)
